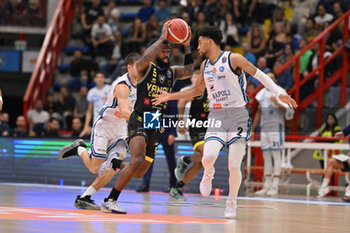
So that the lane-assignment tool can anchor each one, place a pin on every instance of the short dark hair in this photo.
(53, 119)
(211, 32)
(132, 58)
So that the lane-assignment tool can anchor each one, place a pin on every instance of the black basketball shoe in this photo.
(71, 149)
(85, 203)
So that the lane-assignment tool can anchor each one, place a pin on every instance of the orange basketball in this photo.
(179, 31)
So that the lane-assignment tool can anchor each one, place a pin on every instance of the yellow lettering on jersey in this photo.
(154, 72)
(154, 89)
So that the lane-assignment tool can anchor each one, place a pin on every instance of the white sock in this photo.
(81, 150)
(88, 192)
(325, 182)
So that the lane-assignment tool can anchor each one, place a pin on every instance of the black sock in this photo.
(116, 163)
(113, 195)
(187, 159)
(180, 184)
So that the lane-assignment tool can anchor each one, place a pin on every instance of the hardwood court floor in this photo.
(42, 208)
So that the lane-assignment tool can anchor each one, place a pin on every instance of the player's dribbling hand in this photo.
(166, 25)
(288, 100)
(160, 98)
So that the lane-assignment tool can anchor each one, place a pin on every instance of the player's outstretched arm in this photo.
(238, 60)
(143, 63)
(121, 92)
(183, 72)
(189, 93)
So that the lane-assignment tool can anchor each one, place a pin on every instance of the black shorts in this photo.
(197, 136)
(135, 128)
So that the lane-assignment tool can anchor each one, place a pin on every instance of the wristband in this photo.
(188, 59)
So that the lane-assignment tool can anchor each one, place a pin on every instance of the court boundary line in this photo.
(248, 198)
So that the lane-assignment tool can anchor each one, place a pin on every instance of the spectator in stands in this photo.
(5, 129)
(138, 35)
(288, 54)
(113, 21)
(197, 26)
(110, 7)
(11, 11)
(322, 16)
(262, 65)
(145, 11)
(96, 97)
(81, 105)
(101, 34)
(256, 40)
(77, 127)
(335, 36)
(210, 10)
(37, 115)
(112, 67)
(51, 104)
(49, 129)
(34, 15)
(305, 57)
(88, 18)
(275, 44)
(303, 9)
(78, 71)
(185, 16)
(65, 106)
(5, 117)
(163, 12)
(197, 6)
(313, 62)
(224, 6)
(310, 32)
(152, 28)
(338, 10)
(20, 131)
(247, 54)
(285, 79)
(329, 129)
(229, 30)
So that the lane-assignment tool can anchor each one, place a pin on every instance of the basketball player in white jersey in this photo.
(96, 97)
(271, 113)
(109, 134)
(223, 76)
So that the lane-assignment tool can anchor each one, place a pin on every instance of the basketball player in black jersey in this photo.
(155, 73)
(199, 111)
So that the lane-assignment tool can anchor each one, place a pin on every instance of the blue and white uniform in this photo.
(110, 128)
(272, 120)
(227, 100)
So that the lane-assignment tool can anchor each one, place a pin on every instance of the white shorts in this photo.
(272, 140)
(235, 124)
(108, 137)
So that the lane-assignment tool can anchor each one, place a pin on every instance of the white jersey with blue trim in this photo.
(225, 88)
(271, 115)
(110, 111)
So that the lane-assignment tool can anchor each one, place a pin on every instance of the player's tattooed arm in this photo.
(121, 92)
(189, 93)
(142, 65)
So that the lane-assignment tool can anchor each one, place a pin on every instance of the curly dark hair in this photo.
(211, 32)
